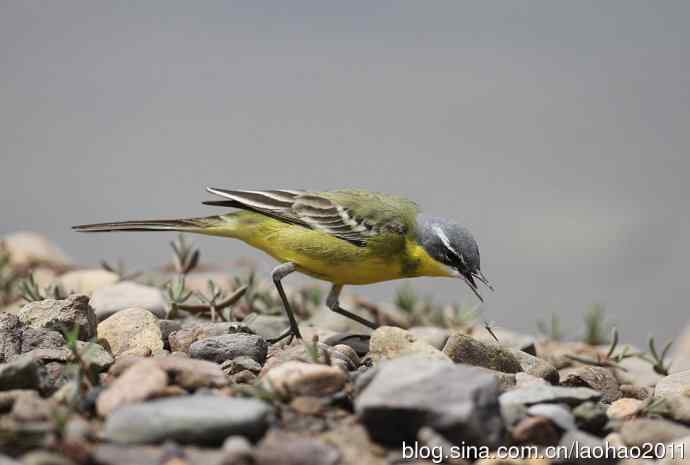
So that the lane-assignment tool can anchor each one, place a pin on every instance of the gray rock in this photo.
(41, 338)
(182, 371)
(654, 431)
(301, 451)
(436, 337)
(61, 315)
(549, 394)
(111, 299)
(268, 326)
(10, 336)
(22, 373)
(181, 339)
(357, 342)
(677, 407)
(590, 416)
(637, 371)
(405, 394)
(462, 348)
(676, 383)
(598, 378)
(558, 414)
(188, 419)
(142, 381)
(536, 366)
(229, 346)
(167, 454)
(388, 342)
(168, 327)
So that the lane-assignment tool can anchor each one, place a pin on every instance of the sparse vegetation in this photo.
(552, 330)
(120, 269)
(30, 291)
(596, 326)
(8, 277)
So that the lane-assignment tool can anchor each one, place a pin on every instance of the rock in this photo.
(624, 409)
(168, 327)
(357, 342)
(61, 315)
(598, 378)
(549, 394)
(677, 453)
(28, 249)
(340, 357)
(87, 281)
(167, 454)
(10, 336)
(232, 367)
(654, 431)
(188, 419)
(184, 372)
(637, 371)
(436, 337)
(31, 407)
(524, 380)
(229, 346)
(676, 407)
(462, 348)
(676, 383)
(558, 414)
(237, 450)
(509, 339)
(42, 457)
(41, 339)
(94, 355)
(125, 295)
(134, 328)
(536, 430)
(268, 326)
(304, 379)
(536, 367)
(458, 401)
(636, 392)
(22, 373)
(590, 417)
(144, 380)
(388, 342)
(302, 451)
(180, 340)
(355, 444)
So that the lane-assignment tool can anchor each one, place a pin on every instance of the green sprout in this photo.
(658, 361)
(553, 329)
(31, 292)
(120, 270)
(177, 294)
(612, 359)
(596, 325)
(185, 256)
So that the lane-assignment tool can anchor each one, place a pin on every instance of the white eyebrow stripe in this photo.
(446, 242)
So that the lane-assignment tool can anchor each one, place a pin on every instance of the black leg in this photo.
(278, 273)
(333, 304)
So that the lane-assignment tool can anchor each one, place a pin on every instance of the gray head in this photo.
(454, 246)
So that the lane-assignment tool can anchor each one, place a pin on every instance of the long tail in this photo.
(212, 225)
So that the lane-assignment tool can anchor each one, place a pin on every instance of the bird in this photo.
(344, 237)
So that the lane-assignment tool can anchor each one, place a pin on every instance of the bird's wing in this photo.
(354, 216)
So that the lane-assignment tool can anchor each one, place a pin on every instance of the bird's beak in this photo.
(469, 279)
(480, 276)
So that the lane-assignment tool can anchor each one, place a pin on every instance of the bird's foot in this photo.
(289, 333)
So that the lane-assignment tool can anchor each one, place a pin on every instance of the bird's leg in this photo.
(278, 273)
(333, 304)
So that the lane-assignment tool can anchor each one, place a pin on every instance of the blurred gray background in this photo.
(556, 131)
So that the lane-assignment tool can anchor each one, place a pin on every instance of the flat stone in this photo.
(536, 430)
(598, 378)
(558, 414)
(646, 430)
(549, 394)
(304, 379)
(87, 281)
(125, 295)
(61, 315)
(181, 339)
(462, 348)
(436, 337)
(10, 336)
(405, 394)
(301, 451)
(134, 328)
(388, 342)
(344, 358)
(624, 409)
(187, 373)
(188, 419)
(536, 366)
(144, 380)
(33, 407)
(229, 346)
(638, 372)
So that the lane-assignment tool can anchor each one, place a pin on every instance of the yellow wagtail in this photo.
(343, 237)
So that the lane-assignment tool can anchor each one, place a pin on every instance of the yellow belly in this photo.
(326, 257)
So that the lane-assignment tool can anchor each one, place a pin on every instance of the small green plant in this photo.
(406, 298)
(656, 359)
(314, 351)
(177, 294)
(185, 256)
(215, 302)
(120, 270)
(553, 329)
(613, 358)
(30, 291)
(86, 376)
(596, 326)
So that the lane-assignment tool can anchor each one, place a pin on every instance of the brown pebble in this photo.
(536, 430)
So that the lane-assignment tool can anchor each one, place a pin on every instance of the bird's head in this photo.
(454, 246)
